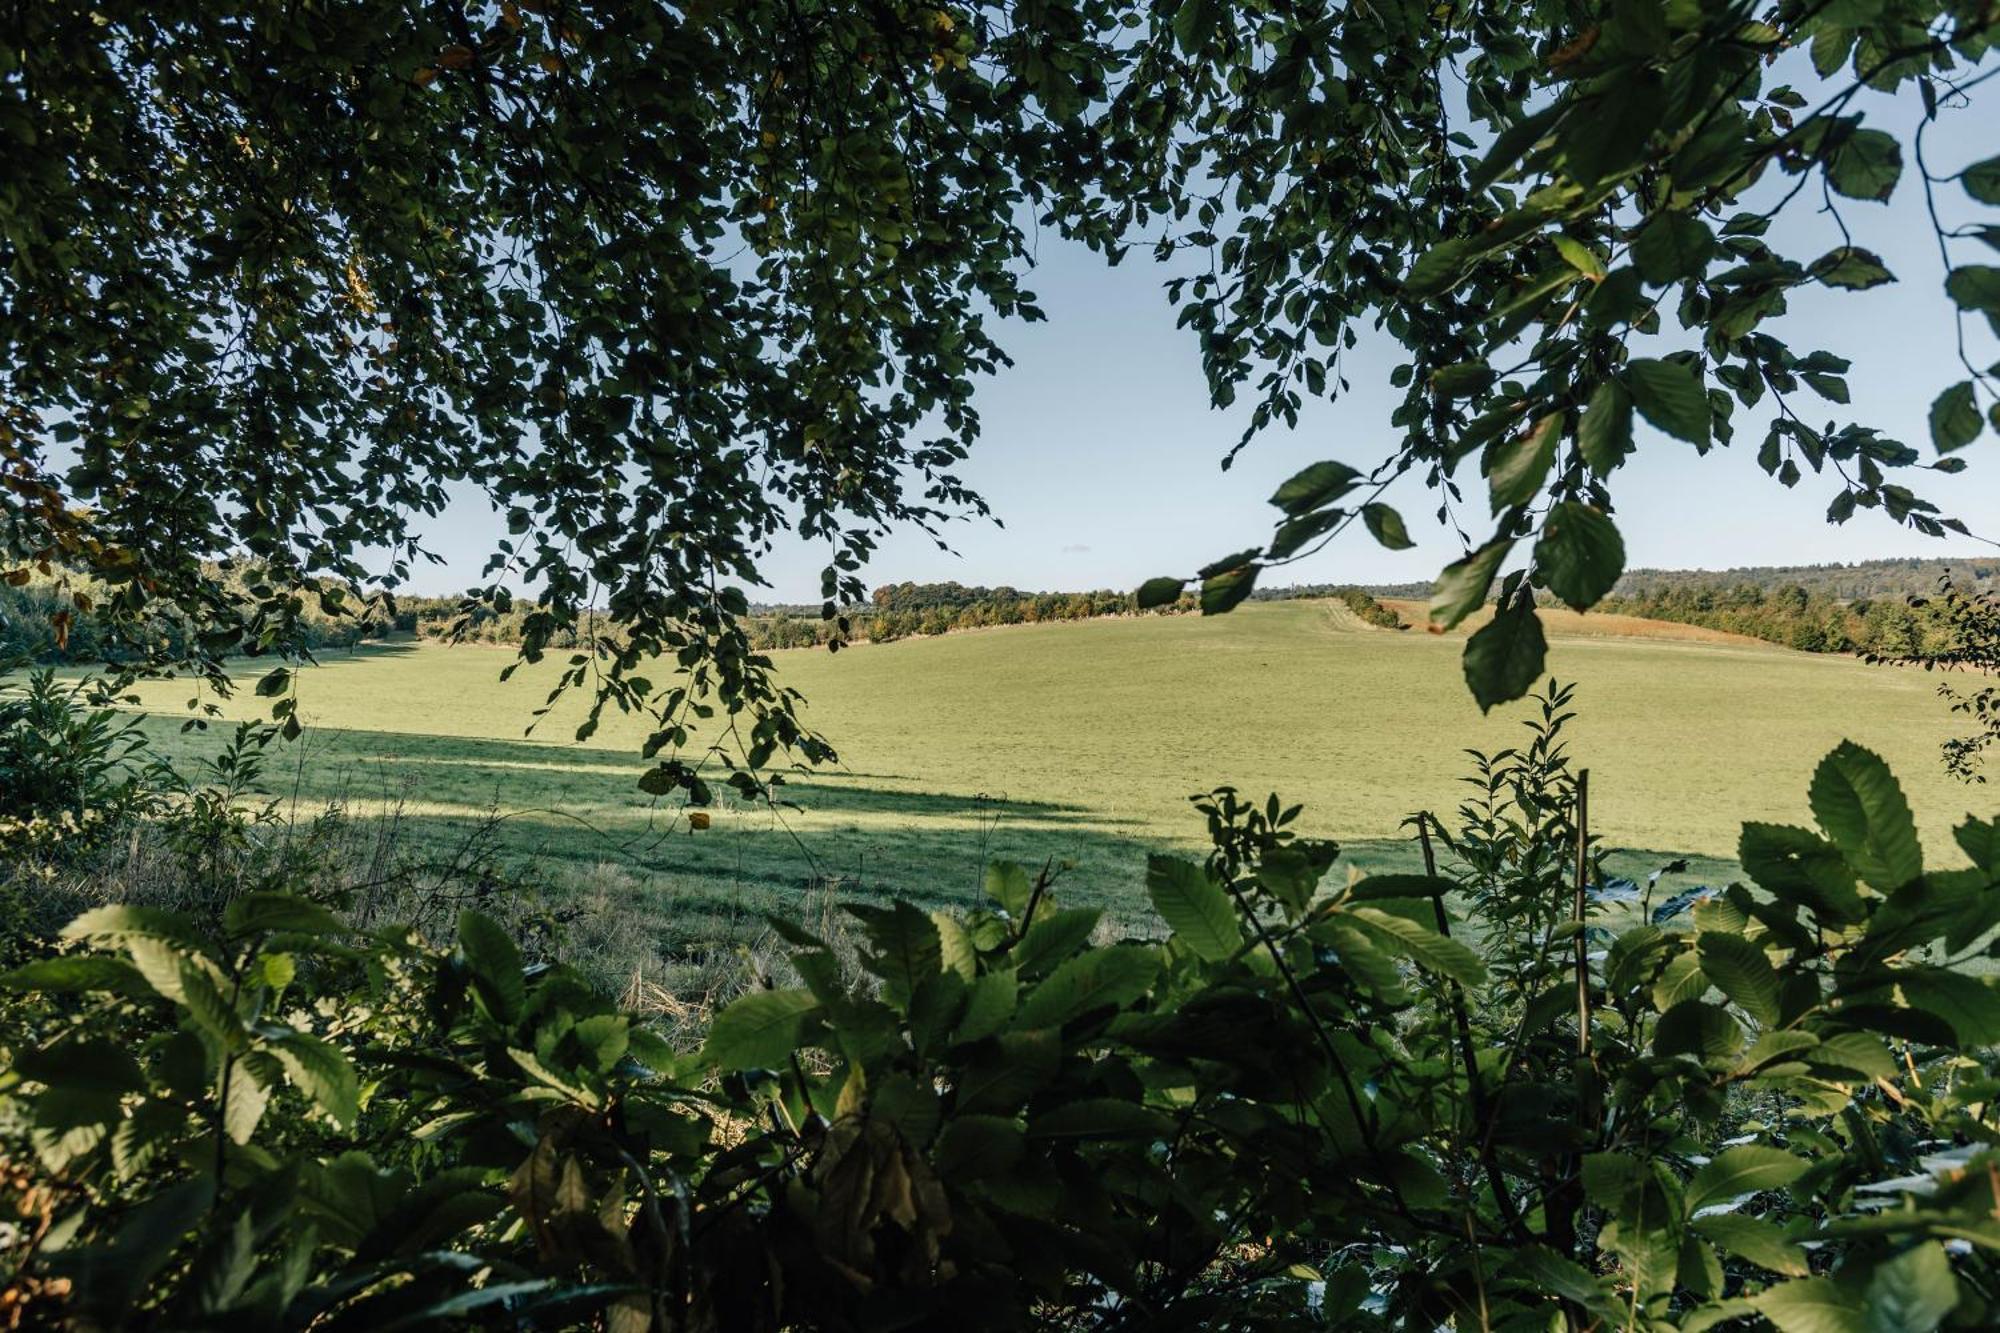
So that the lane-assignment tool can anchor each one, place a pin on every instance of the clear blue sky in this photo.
(1101, 454)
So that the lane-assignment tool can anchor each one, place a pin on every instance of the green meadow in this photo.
(1075, 745)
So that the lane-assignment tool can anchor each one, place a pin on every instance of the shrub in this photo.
(1314, 1102)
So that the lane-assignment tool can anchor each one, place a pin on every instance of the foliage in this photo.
(1313, 1103)
(278, 281)
(1587, 256)
(1969, 642)
(67, 775)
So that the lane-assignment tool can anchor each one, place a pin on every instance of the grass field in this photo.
(1081, 742)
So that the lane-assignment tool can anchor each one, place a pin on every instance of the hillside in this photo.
(1080, 743)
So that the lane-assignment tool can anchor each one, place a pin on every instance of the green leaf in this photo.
(1159, 592)
(979, 1147)
(1913, 1292)
(262, 913)
(1866, 165)
(118, 922)
(1100, 1118)
(1423, 946)
(274, 683)
(1504, 657)
(759, 1030)
(1579, 256)
(495, 964)
(1462, 587)
(1222, 592)
(1955, 420)
(1695, 1027)
(1975, 287)
(1101, 977)
(957, 951)
(1463, 379)
(907, 951)
(1604, 434)
(322, 1073)
(1194, 906)
(1385, 525)
(1008, 885)
(1858, 803)
(1294, 533)
(1754, 1240)
(990, 1002)
(1968, 1003)
(1859, 1052)
(1610, 135)
(244, 1101)
(1982, 180)
(1740, 970)
(1671, 247)
(1580, 554)
(1017, 1066)
(1516, 466)
(1851, 268)
(77, 974)
(1798, 866)
(1195, 23)
(1054, 937)
(1438, 269)
(1316, 486)
(1748, 1168)
(1669, 394)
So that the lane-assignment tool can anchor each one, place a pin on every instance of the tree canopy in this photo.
(661, 281)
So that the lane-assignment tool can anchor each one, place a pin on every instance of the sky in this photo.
(1101, 455)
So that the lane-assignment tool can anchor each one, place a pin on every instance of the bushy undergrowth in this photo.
(1509, 1094)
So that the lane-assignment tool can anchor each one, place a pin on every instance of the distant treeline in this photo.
(1863, 580)
(900, 610)
(45, 621)
(1835, 608)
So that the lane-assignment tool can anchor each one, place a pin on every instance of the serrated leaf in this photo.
(1221, 593)
(1866, 165)
(1861, 808)
(1604, 433)
(1101, 977)
(1195, 907)
(1054, 937)
(1755, 1240)
(1740, 970)
(1315, 486)
(1008, 885)
(759, 1030)
(1425, 947)
(1955, 420)
(1911, 1293)
(322, 1073)
(1580, 554)
(495, 963)
(990, 1002)
(1851, 268)
(1982, 180)
(76, 974)
(1462, 586)
(1386, 526)
(1669, 394)
(262, 913)
(1517, 465)
(1672, 246)
(1504, 657)
(1748, 1168)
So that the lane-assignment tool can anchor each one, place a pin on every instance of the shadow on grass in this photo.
(548, 810)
